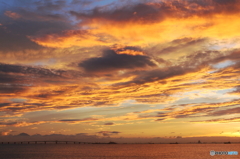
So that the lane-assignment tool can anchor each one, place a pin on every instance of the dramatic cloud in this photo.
(111, 61)
(121, 68)
(157, 11)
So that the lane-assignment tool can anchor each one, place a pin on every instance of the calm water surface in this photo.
(118, 151)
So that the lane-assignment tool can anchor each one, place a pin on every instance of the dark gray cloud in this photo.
(34, 27)
(12, 88)
(157, 74)
(48, 94)
(181, 44)
(220, 120)
(225, 2)
(134, 48)
(188, 64)
(76, 120)
(126, 13)
(46, 5)
(4, 104)
(8, 124)
(16, 108)
(7, 68)
(108, 133)
(225, 112)
(37, 10)
(135, 12)
(10, 41)
(111, 61)
(233, 55)
(115, 132)
(11, 78)
(19, 78)
(14, 35)
(158, 11)
(109, 124)
(82, 2)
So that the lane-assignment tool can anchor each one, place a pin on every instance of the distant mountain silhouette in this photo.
(36, 135)
(23, 134)
(54, 135)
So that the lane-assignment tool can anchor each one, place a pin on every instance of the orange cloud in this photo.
(5, 133)
(82, 38)
(157, 56)
(156, 24)
(229, 120)
(12, 15)
(144, 87)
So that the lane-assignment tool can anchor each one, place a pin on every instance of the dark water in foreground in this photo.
(118, 151)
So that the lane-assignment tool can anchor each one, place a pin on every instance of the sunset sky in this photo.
(129, 68)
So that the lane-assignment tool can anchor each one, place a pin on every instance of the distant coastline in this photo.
(77, 142)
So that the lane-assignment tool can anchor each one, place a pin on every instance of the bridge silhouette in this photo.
(47, 142)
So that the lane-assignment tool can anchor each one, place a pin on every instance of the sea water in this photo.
(115, 151)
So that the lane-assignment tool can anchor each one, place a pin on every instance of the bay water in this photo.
(115, 151)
